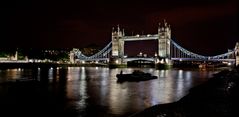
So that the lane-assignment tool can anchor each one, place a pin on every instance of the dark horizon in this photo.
(201, 26)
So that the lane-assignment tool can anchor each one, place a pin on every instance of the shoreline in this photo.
(46, 65)
(215, 98)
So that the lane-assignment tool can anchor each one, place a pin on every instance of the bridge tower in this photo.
(164, 36)
(237, 53)
(164, 33)
(117, 46)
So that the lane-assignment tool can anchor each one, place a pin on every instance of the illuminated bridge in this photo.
(168, 50)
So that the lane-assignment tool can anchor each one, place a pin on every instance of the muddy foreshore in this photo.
(218, 97)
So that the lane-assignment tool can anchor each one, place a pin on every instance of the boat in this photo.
(136, 75)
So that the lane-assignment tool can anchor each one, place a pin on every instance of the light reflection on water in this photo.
(87, 89)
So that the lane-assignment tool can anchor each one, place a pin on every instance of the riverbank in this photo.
(218, 97)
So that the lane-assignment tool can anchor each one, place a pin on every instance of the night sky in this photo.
(206, 27)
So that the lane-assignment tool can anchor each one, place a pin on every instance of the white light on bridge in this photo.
(83, 62)
(166, 60)
(116, 61)
(229, 64)
(157, 61)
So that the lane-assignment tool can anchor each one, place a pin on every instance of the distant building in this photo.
(72, 57)
(237, 53)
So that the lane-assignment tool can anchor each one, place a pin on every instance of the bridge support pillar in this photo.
(117, 62)
(163, 63)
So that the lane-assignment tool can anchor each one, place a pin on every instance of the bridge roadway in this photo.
(140, 37)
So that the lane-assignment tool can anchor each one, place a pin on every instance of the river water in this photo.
(91, 91)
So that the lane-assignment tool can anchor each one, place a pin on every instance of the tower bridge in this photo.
(168, 50)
